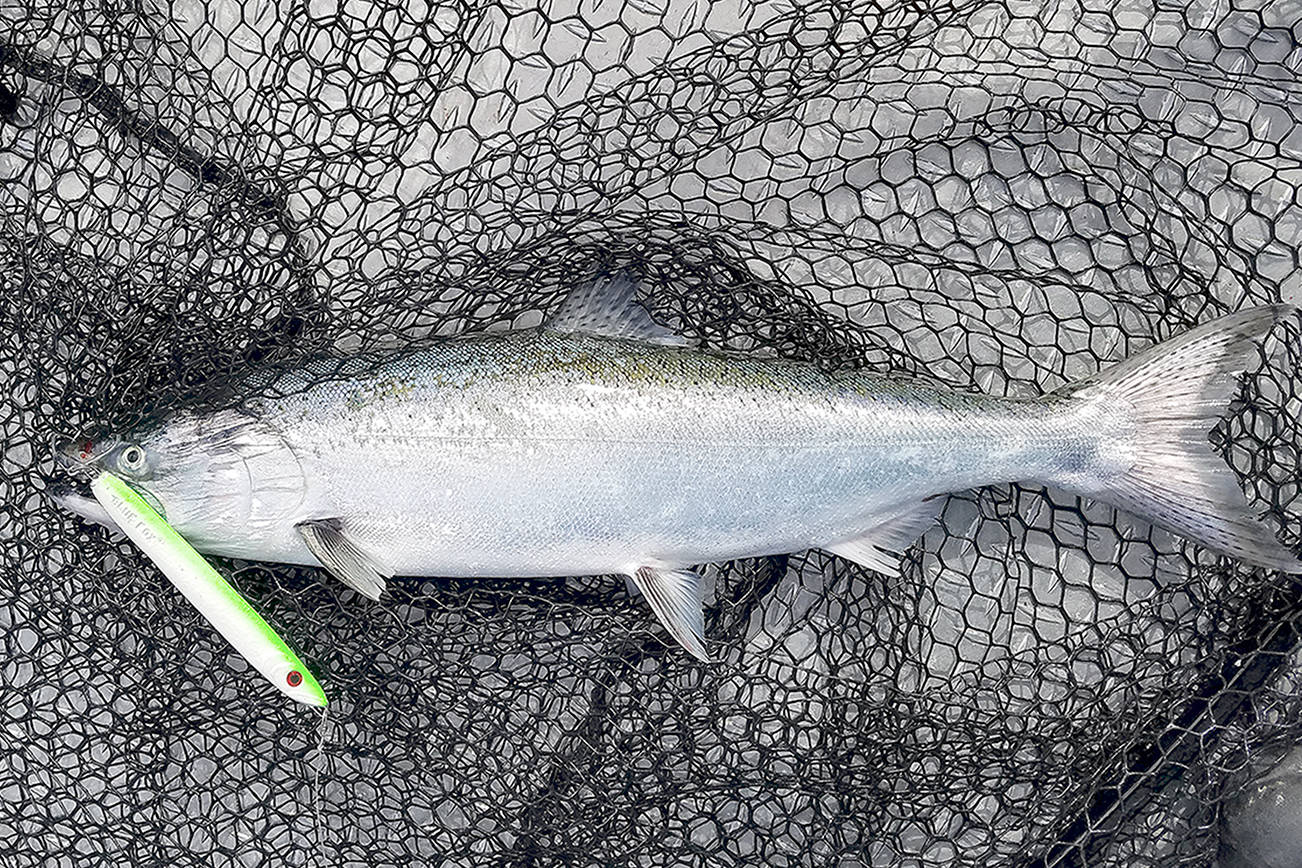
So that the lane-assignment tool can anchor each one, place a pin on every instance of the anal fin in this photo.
(675, 597)
(881, 547)
(343, 558)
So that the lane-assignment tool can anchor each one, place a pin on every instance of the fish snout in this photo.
(78, 458)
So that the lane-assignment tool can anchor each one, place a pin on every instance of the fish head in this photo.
(214, 477)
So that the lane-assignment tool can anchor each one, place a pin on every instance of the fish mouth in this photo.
(63, 490)
(81, 504)
(64, 493)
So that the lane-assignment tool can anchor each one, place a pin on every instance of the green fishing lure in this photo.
(205, 588)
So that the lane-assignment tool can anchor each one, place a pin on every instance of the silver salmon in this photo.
(600, 443)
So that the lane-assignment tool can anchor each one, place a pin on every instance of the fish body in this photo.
(542, 454)
(600, 444)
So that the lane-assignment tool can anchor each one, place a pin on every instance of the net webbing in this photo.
(1001, 196)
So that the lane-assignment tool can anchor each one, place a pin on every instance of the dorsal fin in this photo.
(608, 306)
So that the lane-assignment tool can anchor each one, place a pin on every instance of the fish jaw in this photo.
(86, 508)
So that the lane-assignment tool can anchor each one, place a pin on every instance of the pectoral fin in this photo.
(343, 558)
(881, 547)
(675, 597)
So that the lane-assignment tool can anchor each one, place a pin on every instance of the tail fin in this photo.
(1173, 395)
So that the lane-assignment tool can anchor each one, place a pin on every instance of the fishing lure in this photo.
(205, 588)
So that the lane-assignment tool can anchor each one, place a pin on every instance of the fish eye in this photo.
(133, 457)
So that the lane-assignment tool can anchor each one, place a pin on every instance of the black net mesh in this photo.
(996, 195)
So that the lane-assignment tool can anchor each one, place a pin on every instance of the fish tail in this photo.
(1153, 413)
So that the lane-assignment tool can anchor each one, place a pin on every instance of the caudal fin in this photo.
(1165, 470)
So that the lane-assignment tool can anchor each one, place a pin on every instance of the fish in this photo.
(601, 443)
(206, 589)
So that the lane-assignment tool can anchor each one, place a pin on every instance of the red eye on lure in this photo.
(294, 678)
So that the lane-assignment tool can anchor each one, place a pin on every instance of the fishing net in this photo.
(999, 196)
